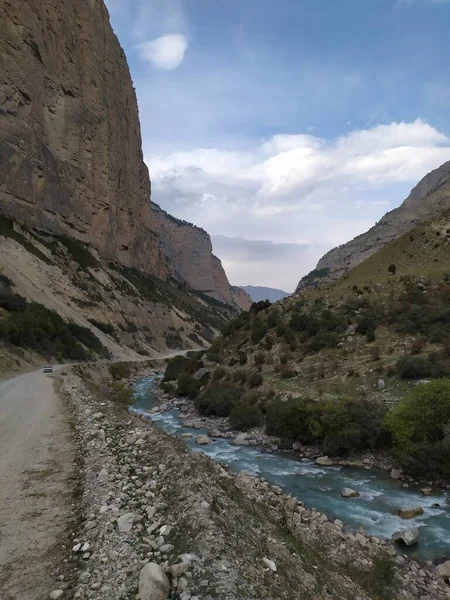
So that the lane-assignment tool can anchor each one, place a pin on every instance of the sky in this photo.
(286, 128)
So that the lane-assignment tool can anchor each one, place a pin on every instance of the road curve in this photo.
(36, 484)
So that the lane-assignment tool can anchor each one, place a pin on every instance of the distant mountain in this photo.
(429, 199)
(258, 293)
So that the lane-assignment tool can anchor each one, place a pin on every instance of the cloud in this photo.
(299, 191)
(166, 52)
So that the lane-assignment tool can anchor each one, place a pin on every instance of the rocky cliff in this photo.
(70, 143)
(187, 252)
(429, 198)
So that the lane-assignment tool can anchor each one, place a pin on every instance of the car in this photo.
(48, 369)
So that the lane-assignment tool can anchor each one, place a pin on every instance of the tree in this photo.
(392, 269)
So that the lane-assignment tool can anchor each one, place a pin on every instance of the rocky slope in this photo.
(70, 144)
(159, 518)
(429, 198)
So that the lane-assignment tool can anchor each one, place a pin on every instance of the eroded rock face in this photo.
(70, 145)
(429, 198)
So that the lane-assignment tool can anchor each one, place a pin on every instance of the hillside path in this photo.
(36, 484)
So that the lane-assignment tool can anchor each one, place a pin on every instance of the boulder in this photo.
(125, 522)
(406, 536)
(241, 440)
(443, 570)
(202, 440)
(427, 491)
(270, 564)
(202, 375)
(324, 461)
(349, 493)
(351, 329)
(153, 583)
(296, 446)
(56, 594)
(409, 513)
(381, 384)
(396, 474)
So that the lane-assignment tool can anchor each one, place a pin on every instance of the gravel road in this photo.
(36, 484)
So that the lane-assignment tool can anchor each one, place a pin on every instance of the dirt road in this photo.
(36, 484)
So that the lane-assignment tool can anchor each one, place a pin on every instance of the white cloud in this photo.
(166, 52)
(296, 189)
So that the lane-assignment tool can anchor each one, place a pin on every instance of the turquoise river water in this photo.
(320, 487)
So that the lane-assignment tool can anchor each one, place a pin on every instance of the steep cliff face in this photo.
(188, 254)
(429, 198)
(70, 142)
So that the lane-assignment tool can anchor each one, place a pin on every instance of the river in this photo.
(320, 487)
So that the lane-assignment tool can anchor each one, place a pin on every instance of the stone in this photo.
(381, 384)
(241, 440)
(324, 461)
(409, 513)
(153, 583)
(202, 375)
(166, 548)
(396, 474)
(125, 522)
(427, 491)
(351, 329)
(56, 594)
(443, 570)
(349, 493)
(165, 530)
(296, 446)
(406, 536)
(270, 564)
(202, 440)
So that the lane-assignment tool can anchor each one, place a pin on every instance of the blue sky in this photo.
(285, 128)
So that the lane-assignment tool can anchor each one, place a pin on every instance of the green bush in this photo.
(179, 365)
(257, 307)
(32, 325)
(188, 386)
(272, 319)
(119, 370)
(242, 356)
(120, 394)
(105, 327)
(412, 367)
(218, 400)
(218, 373)
(289, 420)
(245, 416)
(255, 380)
(259, 359)
(421, 419)
(284, 359)
(233, 361)
(259, 330)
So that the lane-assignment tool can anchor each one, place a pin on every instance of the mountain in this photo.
(72, 161)
(258, 293)
(79, 233)
(429, 198)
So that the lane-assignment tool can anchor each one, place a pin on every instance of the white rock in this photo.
(271, 564)
(406, 536)
(153, 583)
(349, 493)
(381, 384)
(443, 570)
(396, 474)
(125, 522)
(76, 548)
(103, 475)
(85, 547)
(202, 440)
(241, 440)
(296, 446)
(56, 594)
(324, 461)
(165, 530)
(166, 548)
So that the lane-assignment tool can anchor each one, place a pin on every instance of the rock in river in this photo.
(202, 440)
(406, 536)
(443, 570)
(349, 493)
(153, 583)
(409, 513)
(324, 461)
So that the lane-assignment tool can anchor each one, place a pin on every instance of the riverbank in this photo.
(214, 535)
(220, 428)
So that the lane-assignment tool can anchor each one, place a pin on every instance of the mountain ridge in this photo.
(258, 293)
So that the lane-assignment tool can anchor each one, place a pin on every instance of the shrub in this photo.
(255, 380)
(168, 387)
(242, 356)
(257, 307)
(119, 370)
(13, 303)
(120, 394)
(233, 361)
(259, 359)
(272, 319)
(218, 400)
(281, 328)
(245, 416)
(176, 366)
(269, 342)
(375, 353)
(284, 359)
(259, 330)
(219, 373)
(411, 367)
(392, 269)
(105, 327)
(188, 386)
(286, 371)
(288, 420)
(417, 346)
